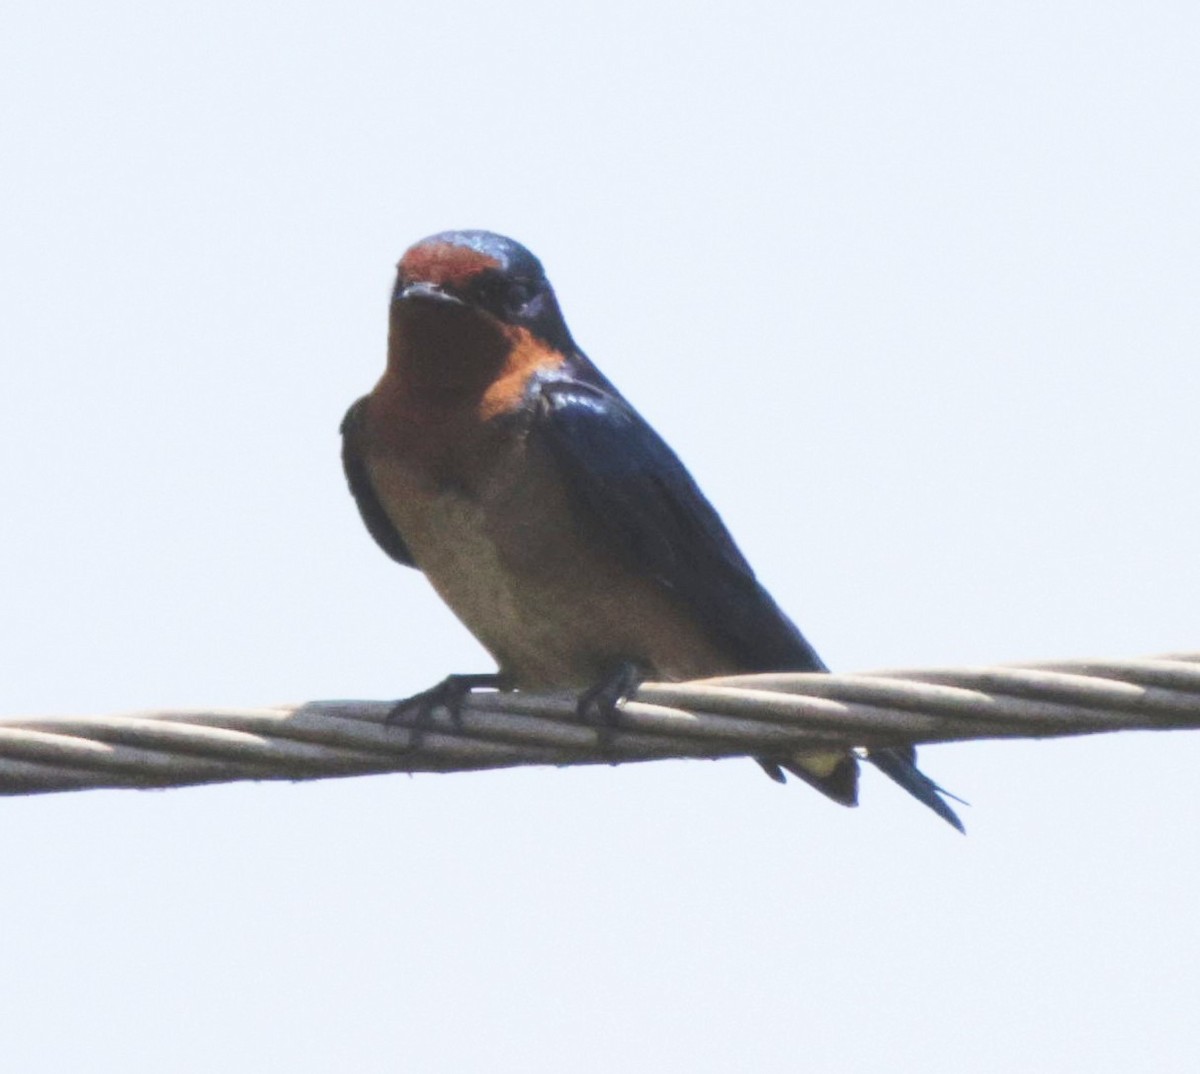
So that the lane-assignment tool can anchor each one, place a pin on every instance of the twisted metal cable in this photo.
(748, 715)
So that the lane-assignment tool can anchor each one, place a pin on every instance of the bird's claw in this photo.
(598, 705)
(416, 712)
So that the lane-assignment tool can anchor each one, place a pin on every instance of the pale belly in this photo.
(554, 607)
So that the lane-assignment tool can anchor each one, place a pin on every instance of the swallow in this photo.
(560, 528)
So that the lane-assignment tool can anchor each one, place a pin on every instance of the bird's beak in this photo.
(424, 292)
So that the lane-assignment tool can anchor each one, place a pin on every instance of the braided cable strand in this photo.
(738, 716)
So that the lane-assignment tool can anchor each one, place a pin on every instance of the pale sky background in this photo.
(912, 288)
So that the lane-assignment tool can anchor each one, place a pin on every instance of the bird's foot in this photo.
(598, 704)
(416, 712)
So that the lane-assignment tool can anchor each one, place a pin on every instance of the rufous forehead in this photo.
(444, 263)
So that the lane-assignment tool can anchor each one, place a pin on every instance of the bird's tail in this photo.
(899, 763)
(836, 776)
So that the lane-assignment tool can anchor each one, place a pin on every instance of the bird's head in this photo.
(480, 281)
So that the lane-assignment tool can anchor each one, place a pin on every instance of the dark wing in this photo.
(373, 514)
(629, 487)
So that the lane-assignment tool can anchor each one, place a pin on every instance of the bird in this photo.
(493, 456)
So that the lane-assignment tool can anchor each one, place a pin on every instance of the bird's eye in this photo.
(519, 292)
(503, 296)
(490, 291)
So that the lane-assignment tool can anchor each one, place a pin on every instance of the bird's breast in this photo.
(502, 546)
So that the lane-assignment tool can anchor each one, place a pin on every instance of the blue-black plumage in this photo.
(553, 520)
